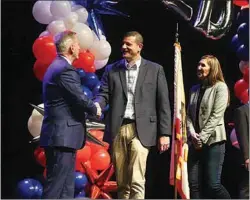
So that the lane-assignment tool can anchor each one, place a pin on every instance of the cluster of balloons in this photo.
(66, 15)
(240, 44)
(29, 189)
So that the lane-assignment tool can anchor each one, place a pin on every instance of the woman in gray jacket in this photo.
(206, 130)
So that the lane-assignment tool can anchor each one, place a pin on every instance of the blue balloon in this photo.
(96, 88)
(90, 80)
(235, 43)
(81, 194)
(243, 52)
(81, 181)
(29, 189)
(87, 92)
(243, 16)
(243, 33)
(81, 73)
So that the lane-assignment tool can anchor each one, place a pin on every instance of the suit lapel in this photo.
(142, 73)
(122, 73)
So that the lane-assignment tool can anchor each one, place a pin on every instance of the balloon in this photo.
(35, 122)
(242, 65)
(243, 52)
(101, 49)
(233, 139)
(80, 181)
(101, 63)
(81, 194)
(56, 26)
(246, 75)
(179, 7)
(210, 29)
(239, 87)
(82, 156)
(96, 89)
(240, 2)
(243, 16)
(39, 69)
(41, 12)
(84, 35)
(90, 80)
(29, 189)
(85, 62)
(243, 33)
(87, 92)
(244, 96)
(100, 160)
(70, 20)
(235, 43)
(96, 147)
(82, 14)
(60, 8)
(81, 72)
(97, 133)
(40, 156)
(44, 33)
(44, 49)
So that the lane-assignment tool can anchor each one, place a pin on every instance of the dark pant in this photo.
(244, 184)
(60, 177)
(205, 166)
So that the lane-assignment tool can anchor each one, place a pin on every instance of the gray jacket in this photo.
(211, 113)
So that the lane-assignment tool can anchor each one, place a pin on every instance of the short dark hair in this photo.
(137, 35)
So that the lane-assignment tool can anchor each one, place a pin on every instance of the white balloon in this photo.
(56, 27)
(234, 140)
(35, 122)
(44, 33)
(82, 15)
(100, 63)
(76, 7)
(101, 49)
(242, 65)
(41, 12)
(70, 20)
(60, 8)
(84, 35)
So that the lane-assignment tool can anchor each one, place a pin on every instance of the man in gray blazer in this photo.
(137, 92)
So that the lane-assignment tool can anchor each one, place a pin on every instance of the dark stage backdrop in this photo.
(157, 25)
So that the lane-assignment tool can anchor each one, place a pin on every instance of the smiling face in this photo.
(203, 69)
(131, 49)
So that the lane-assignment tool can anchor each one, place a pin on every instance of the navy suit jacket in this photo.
(65, 105)
(152, 108)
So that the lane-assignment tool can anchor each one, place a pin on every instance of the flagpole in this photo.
(175, 148)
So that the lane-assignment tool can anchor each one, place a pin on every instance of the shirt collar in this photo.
(137, 63)
(66, 59)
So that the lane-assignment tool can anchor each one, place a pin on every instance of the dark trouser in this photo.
(60, 177)
(205, 166)
(244, 184)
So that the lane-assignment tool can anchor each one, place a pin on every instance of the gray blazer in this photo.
(211, 113)
(152, 108)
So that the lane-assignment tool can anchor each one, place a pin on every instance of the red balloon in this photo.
(39, 69)
(96, 147)
(44, 49)
(244, 97)
(85, 62)
(246, 75)
(97, 133)
(100, 160)
(240, 2)
(82, 156)
(239, 87)
(40, 156)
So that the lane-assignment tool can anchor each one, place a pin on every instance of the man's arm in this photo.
(70, 83)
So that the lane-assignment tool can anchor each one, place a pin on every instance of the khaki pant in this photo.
(130, 158)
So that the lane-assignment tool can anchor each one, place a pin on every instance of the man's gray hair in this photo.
(62, 40)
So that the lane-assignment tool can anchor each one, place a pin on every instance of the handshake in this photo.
(99, 110)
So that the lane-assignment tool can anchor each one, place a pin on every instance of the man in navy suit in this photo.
(139, 115)
(63, 128)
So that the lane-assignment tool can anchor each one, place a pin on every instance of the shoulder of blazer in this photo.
(194, 88)
(116, 66)
(150, 63)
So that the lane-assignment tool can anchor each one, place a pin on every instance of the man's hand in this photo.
(196, 139)
(99, 110)
(247, 164)
(164, 143)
